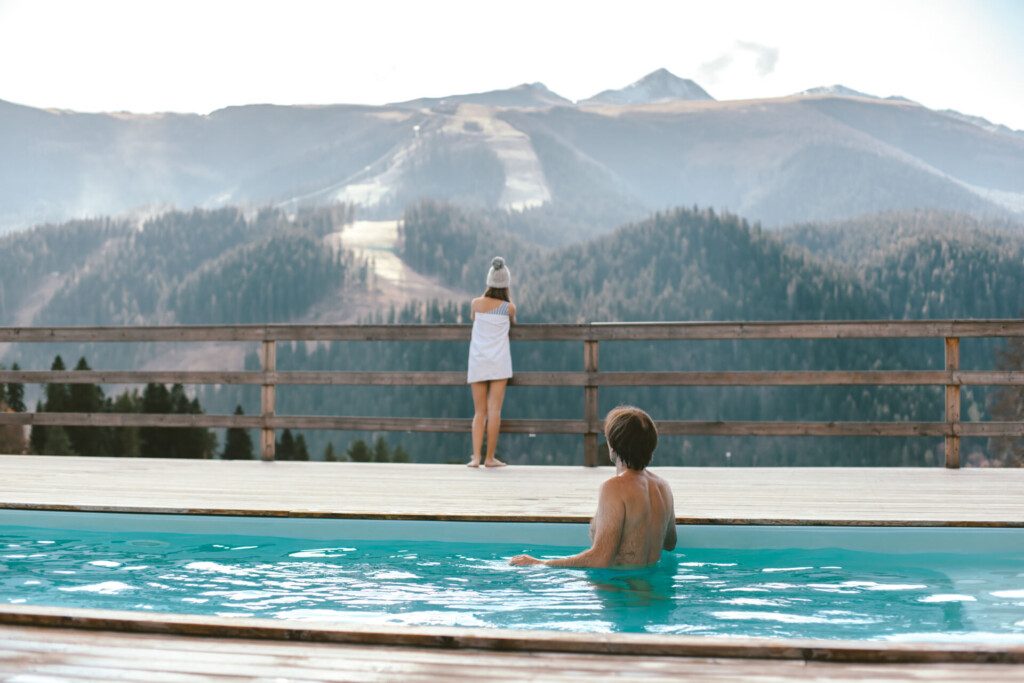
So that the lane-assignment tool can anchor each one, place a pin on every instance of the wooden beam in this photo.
(524, 379)
(952, 441)
(422, 424)
(807, 378)
(552, 379)
(590, 404)
(268, 398)
(130, 377)
(845, 329)
(757, 428)
(131, 420)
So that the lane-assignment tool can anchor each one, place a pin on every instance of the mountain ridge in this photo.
(658, 86)
(776, 160)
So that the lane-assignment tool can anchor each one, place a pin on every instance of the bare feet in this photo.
(494, 462)
(474, 461)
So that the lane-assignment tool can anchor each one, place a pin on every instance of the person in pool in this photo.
(635, 518)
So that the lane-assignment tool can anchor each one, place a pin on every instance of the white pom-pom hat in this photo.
(498, 276)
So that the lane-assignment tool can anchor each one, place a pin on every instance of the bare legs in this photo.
(479, 390)
(487, 400)
(495, 397)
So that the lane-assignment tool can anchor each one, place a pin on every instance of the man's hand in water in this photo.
(524, 561)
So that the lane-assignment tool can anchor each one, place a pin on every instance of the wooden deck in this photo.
(50, 654)
(842, 496)
(57, 644)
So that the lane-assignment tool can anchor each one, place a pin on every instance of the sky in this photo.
(198, 56)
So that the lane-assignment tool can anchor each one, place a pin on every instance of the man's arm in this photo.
(670, 532)
(607, 534)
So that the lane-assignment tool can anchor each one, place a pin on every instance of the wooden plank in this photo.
(847, 329)
(185, 333)
(402, 378)
(511, 640)
(426, 424)
(590, 404)
(758, 428)
(268, 397)
(808, 378)
(431, 378)
(418, 424)
(549, 378)
(130, 377)
(704, 495)
(131, 420)
(263, 659)
(952, 440)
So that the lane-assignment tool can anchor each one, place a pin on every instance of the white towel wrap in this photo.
(489, 356)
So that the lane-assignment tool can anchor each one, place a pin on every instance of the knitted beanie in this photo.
(498, 276)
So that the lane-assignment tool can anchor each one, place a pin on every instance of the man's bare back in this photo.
(635, 516)
(649, 523)
(635, 521)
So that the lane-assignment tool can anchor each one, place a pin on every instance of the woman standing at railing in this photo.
(490, 362)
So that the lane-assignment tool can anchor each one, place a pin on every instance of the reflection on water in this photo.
(793, 593)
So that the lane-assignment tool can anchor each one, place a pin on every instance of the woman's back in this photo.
(489, 354)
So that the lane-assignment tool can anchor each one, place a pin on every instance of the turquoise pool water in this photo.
(336, 572)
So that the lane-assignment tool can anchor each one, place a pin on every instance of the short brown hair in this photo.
(631, 434)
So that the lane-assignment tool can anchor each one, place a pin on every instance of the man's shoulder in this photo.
(614, 486)
(660, 481)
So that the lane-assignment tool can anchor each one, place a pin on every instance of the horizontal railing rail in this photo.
(590, 379)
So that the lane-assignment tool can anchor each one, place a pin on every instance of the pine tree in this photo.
(359, 451)
(86, 398)
(16, 394)
(237, 442)
(57, 395)
(57, 400)
(286, 446)
(12, 437)
(125, 441)
(1008, 406)
(156, 442)
(37, 438)
(57, 442)
(399, 455)
(329, 454)
(380, 451)
(301, 451)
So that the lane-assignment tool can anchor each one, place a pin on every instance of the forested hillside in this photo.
(219, 266)
(688, 265)
(684, 264)
(107, 271)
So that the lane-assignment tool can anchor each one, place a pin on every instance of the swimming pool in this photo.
(792, 582)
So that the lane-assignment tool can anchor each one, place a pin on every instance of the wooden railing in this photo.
(951, 428)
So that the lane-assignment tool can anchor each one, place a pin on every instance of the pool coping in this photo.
(459, 638)
(555, 519)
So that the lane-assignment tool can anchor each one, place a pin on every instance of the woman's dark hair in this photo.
(497, 293)
(631, 435)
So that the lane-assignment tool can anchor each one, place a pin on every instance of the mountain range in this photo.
(825, 154)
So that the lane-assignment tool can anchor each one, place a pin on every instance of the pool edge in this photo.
(557, 519)
(456, 638)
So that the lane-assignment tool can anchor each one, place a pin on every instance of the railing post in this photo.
(953, 405)
(590, 404)
(268, 397)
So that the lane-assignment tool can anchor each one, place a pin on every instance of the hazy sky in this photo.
(186, 55)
